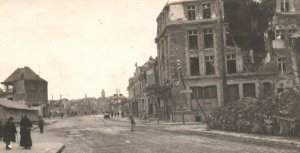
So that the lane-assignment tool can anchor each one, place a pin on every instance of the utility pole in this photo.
(223, 58)
(86, 105)
(117, 104)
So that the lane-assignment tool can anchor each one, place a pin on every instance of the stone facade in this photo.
(220, 60)
(217, 72)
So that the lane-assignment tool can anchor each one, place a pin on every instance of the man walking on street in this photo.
(41, 124)
(10, 132)
(132, 121)
(25, 127)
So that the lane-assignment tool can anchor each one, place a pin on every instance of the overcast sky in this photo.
(78, 46)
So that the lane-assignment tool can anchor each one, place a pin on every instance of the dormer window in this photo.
(206, 11)
(191, 10)
(285, 6)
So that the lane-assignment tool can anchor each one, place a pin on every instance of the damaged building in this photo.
(227, 50)
(25, 85)
(143, 91)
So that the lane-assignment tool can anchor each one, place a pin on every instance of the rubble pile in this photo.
(278, 115)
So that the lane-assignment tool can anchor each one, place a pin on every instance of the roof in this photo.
(22, 74)
(179, 1)
(14, 104)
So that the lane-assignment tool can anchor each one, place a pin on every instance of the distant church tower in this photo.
(103, 93)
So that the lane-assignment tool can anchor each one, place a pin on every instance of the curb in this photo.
(61, 149)
(241, 139)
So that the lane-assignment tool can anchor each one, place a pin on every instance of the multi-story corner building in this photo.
(25, 85)
(214, 67)
(191, 31)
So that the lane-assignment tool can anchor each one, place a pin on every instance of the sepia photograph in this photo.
(150, 76)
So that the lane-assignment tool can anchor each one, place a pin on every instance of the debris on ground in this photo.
(277, 115)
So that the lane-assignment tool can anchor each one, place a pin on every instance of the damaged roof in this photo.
(22, 74)
(296, 35)
(14, 104)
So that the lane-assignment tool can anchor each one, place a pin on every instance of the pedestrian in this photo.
(61, 115)
(131, 118)
(9, 134)
(122, 114)
(25, 127)
(41, 124)
(145, 116)
(1, 130)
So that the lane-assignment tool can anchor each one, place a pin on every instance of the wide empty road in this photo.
(92, 134)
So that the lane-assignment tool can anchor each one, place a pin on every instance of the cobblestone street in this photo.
(92, 134)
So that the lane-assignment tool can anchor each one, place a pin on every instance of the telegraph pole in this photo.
(117, 104)
(223, 58)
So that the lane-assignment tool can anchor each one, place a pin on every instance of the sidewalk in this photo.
(41, 143)
(198, 128)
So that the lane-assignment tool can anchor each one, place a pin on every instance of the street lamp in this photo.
(180, 75)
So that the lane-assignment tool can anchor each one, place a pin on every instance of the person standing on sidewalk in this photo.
(145, 116)
(1, 130)
(10, 132)
(41, 124)
(25, 127)
(131, 118)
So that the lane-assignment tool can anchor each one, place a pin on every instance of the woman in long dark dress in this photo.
(9, 132)
(1, 130)
(25, 127)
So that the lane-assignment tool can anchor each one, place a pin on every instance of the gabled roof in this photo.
(22, 74)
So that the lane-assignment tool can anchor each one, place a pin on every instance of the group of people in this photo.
(9, 131)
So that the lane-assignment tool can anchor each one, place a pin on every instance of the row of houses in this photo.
(115, 104)
(224, 51)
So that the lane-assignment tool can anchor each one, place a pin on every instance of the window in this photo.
(209, 92)
(208, 38)
(233, 92)
(231, 63)
(194, 64)
(229, 39)
(191, 9)
(210, 65)
(280, 90)
(281, 63)
(291, 32)
(285, 6)
(197, 92)
(279, 34)
(267, 89)
(249, 90)
(206, 11)
(193, 39)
